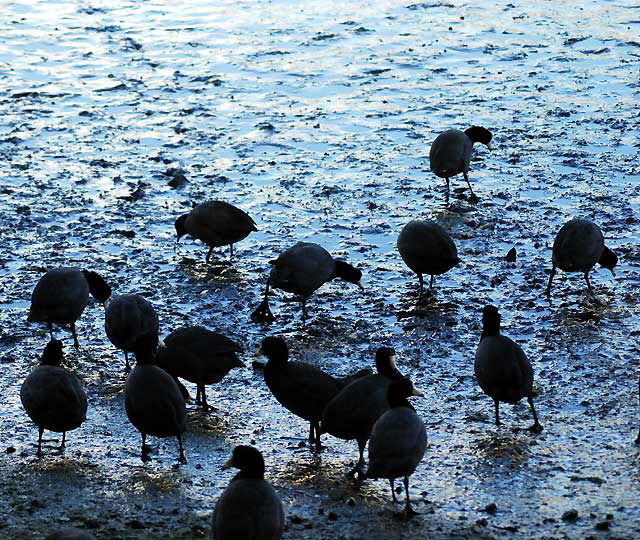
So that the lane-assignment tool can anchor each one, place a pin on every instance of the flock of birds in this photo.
(364, 407)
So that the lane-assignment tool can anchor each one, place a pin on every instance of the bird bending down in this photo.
(215, 223)
(502, 369)
(199, 356)
(451, 151)
(577, 247)
(426, 248)
(127, 318)
(301, 270)
(61, 295)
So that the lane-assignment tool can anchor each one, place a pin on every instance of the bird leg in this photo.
(208, 255)
(202, 391)
(409, 512)
(536, 427)
(431, 282)
(75, 336)
(64, 440)
(50, 325)
(553, 273)
(586, 278)
(127, 367)
(230, 251)
(473, 197)
(421, 280)
(40, 432)
(393, 491)
(497, 406)
(144, 453)
(262, 314)
(181, 457)
(446, 194)
(358, 470)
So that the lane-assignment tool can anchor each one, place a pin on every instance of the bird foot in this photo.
(357, 473)
(473, 198)
(409, 512)
(262, 314)
(535, 428)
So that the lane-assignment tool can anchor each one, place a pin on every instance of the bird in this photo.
(127, 317)
(215, 223)
(70, 534)
(199, 356)
(501, 367)
(53, 396)
(61, 295)
(302, 269)
(301, 388)
(450, 153)
(249, 508)
(398, 439)
(351, 414)
(426, 248)
(153, 402)
(578, 246)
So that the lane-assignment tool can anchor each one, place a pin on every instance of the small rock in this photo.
(482, 522)
(135, 524)
(10, 450)
(602, 526)
(511, 256)
(570, 515)
(296, 520)
(491, 508)
(332, 516)
(351, 501)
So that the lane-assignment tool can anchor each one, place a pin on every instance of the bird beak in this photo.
(613, 272)
(489, 146)
(359, 284)
(259, 352)
(228, 464)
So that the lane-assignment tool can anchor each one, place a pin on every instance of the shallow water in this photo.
(317, 120)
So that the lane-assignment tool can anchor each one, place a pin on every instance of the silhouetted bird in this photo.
(61, 295)
(216, 223)
(502, 369)
(249, 508)
(578, 246)
(427, 248)
(301, 388)
(450, 153)
(351, 414)
(302, 269)
(398, 439)
(199, 356)
(152, 399)
(53, 396)
(127, 318)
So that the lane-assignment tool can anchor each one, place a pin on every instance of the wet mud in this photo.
(317, 119)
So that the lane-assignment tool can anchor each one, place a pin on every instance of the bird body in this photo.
(354, 410)
(152, 399)
(450, 153)
(302, 269)
(577, 247)
(200, 356)
(301, 388)
(398, 439)
(52, 396)
(502, 369)
(61, 295)
(216, 223)
(127, 317)
(249, 508)
(426, 248)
